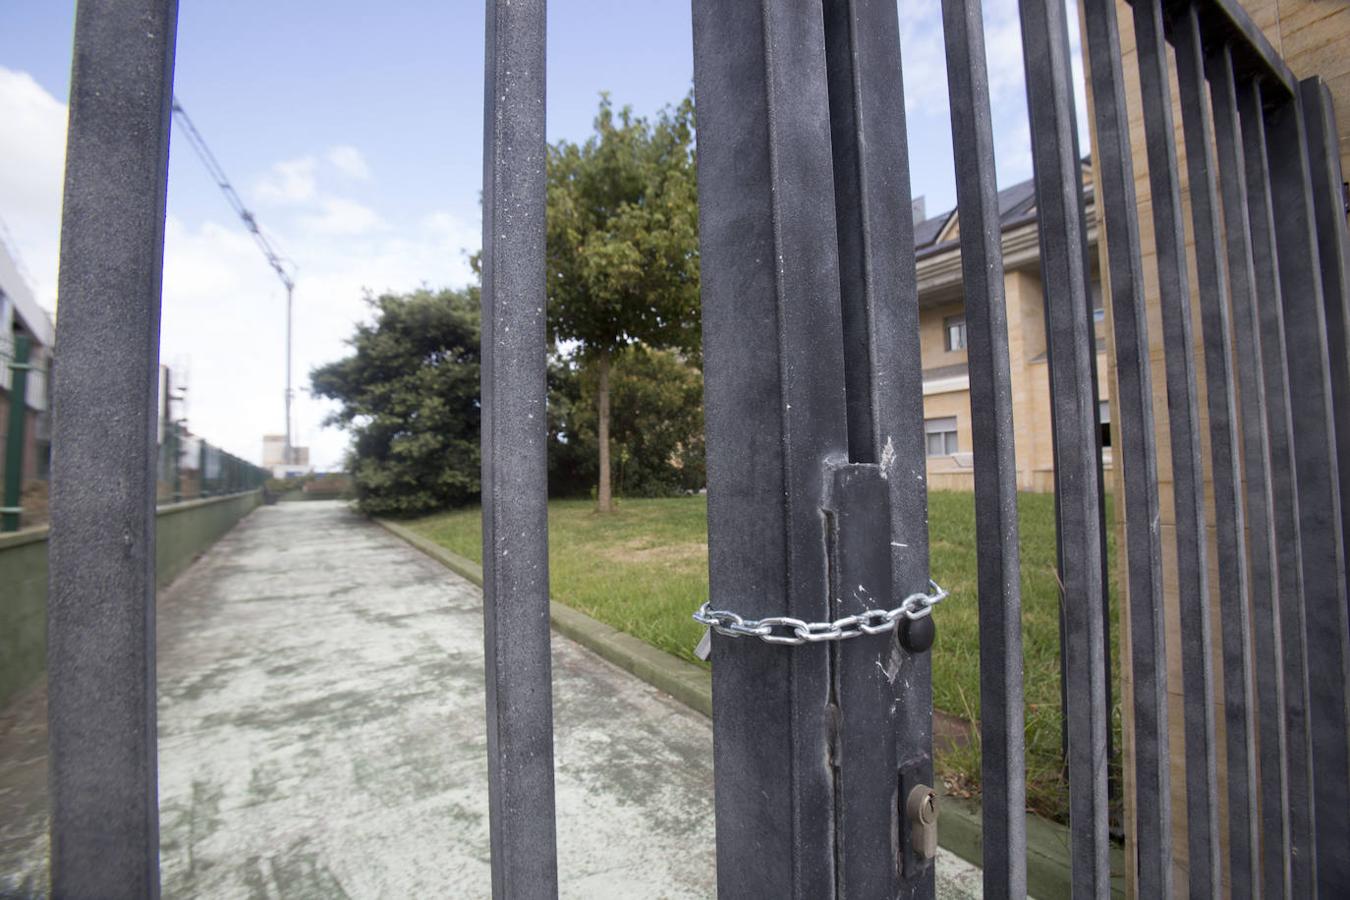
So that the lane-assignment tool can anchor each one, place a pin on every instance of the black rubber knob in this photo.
(917, 635)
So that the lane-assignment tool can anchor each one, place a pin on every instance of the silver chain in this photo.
(787, 630)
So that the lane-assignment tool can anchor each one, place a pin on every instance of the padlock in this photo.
(917, 635)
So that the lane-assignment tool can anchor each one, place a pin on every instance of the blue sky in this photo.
(354, 132)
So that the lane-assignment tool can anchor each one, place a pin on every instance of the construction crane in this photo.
(278, 263)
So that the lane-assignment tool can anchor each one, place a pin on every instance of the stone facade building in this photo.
(946, 383)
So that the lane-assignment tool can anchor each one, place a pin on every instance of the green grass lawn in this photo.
(644, 570)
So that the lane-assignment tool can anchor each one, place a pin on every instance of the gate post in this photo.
(816, 471)
(774, 387)
(101, 606)
(884, 401)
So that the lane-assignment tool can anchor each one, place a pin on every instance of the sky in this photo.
(353, 131)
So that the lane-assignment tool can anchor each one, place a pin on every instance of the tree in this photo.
(409, 396)
(656, 424)
(623, 245)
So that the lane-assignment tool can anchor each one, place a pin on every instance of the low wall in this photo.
(184, 530)
(23, 609)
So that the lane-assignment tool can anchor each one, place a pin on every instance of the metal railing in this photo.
(23, 380)
(816, 461)
(1271, 304)
(190, 468)
(187, 467)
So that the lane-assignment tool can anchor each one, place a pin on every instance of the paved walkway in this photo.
(321, 735)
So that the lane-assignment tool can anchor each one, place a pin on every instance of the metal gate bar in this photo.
(1212, 279)
(1187, 473)
(515, 465)
(884, 725)
(1318, 491)
(1071, 353)
(1264, 619)
(1329, 199)
(1284, 506)
(1136, 447)
(1002, 732)
(101, 601)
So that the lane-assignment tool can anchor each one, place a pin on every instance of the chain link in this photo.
(787, 630)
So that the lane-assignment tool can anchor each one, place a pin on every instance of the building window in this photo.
(954, 330)
(1104, 421)
(941, 435)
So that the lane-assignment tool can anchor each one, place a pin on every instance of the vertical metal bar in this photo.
(1094, 379)
(15, 435)
(1329, 200)
(1212, 281)
(1137, 451)
(515, 469)
(101, 599)
(1071, 347)
(1324, 589)
(1002, 741)
(202, 490)
(884, 396)
(1284, 498)
(870, 839)
(176, 448)
(1183, 415)
(775, 407)
(169, 439)
(1255, 482)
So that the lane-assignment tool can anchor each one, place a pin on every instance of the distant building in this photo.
(942, 338)
(21, 317)
(274, 458)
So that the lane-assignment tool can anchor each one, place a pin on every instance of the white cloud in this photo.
(1003, 52)
(224, 315)
(925, 60)
(338, 215)
(350, 162)
(294, 182)
(224, 309)
(32, 163)
(923, 57)
(291, 182)
(1012, 153)
(925, 68)
(223, 323)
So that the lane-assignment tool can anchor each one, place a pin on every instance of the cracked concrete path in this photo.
(321, 734)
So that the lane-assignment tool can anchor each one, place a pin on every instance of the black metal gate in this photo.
(816, 459)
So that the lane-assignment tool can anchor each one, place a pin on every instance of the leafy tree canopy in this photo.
(657, 433)
(408, 394)
(623, 233)
(622, 245)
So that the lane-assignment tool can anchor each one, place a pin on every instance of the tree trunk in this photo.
(604, 501)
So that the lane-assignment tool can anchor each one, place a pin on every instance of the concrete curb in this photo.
(686, 682)
(962, 821)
